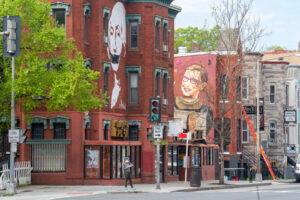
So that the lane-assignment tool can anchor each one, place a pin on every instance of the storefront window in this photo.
(106, 162)
(48, 157)
(196, 158)
(110, 159)
(172, 160)
(92, 160)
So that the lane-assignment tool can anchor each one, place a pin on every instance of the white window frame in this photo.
(244, 130)
(245, 88)
(130, 88)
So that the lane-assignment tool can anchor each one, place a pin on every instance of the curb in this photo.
(221, 187)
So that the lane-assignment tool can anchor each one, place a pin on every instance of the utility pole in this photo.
(258, 176)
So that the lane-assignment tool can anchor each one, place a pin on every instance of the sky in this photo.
(279, 18)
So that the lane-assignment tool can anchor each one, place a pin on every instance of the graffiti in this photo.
(116, 42)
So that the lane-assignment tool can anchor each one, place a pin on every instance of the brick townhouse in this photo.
(131, 43)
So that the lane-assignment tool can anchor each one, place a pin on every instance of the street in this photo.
(290, 191)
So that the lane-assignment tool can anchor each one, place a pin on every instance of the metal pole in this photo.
(258, 176)
(157, 163)
(186, 159)
(11, 186)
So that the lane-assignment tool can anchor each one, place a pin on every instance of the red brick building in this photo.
(229, 72)
(131, 43)
(212, 103)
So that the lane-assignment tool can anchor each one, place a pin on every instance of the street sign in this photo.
(182, 135)
(185, 135)
(13, 136)
(290, 116)
(158, 132)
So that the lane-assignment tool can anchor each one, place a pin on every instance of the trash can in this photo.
(195, 180)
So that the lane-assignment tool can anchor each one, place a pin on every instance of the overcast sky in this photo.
(280, 18)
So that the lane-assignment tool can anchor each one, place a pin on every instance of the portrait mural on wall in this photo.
(116, 45)
(194, 78)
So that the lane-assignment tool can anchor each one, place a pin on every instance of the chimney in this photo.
(182, 50)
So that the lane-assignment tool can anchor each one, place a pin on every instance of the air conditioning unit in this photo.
(165, 101)
(165, 47)
(105, 39)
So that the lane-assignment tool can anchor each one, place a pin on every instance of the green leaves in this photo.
(67, 85)
(193, 35)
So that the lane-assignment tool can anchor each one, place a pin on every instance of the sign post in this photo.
(158, 133)
(186, 158)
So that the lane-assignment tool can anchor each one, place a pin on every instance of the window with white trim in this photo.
(133, 87)
(244, 88)
(245, 131)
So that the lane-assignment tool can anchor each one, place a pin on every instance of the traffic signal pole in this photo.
(11, 186)
(157, 164)
(11, 48)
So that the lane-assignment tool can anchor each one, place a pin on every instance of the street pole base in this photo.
(11, 188)
(157, 187)
(258, 177)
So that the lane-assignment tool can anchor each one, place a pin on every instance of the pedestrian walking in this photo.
(127, 165)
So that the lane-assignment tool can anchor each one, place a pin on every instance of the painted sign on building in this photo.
(119, 128)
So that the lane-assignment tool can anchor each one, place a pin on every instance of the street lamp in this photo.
(258, 176)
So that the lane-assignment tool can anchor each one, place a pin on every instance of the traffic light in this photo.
(11, 40)
(22, 133)
(150, 134)
(155, 110)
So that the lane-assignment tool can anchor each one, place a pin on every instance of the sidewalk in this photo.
(47, 192)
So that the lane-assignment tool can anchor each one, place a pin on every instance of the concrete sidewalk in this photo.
(47, 192)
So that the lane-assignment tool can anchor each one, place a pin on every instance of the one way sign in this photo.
(158, 132)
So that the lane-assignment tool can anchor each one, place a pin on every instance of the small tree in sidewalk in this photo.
(240, 32)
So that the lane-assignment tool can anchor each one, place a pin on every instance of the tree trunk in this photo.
(221, 178)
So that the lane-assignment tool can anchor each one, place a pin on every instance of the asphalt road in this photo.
(282, 191)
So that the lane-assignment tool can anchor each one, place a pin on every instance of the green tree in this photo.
(274, 48)
(193, 35)
(50, 71)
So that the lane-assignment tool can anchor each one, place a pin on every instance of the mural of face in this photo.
(192, 84)
(116, 34)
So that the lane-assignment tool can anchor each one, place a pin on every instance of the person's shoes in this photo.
(126, 190)
(134, 190)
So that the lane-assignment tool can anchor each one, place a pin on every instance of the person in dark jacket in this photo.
(127, 165)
